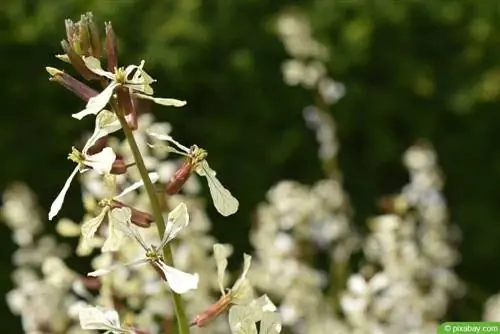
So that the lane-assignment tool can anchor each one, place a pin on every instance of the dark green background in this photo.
(412, 69)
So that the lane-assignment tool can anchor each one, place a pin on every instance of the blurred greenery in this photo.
(412, 69)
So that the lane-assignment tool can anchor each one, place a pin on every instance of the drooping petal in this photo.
(154, 177)
(102, 272)
(165, 137)
(58, 202)
(115, 234)
(179, 281)
(101, 162)
(163, 101)
(178, 218)
(106, 122)
(99, 318)
(225, 203)
(221, 253)
(94, 65)
(90, 226)
(247, 261)
(97, 103)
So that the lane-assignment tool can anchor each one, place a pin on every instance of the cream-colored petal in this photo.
(163, 101)
(97, 103)
(225, 203)
(58, 202)
(178, 219)
(101, 162)
(94, 65)
(179, 281)
(90, 227)
(221, 253)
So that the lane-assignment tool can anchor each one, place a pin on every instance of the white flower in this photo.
(138, 84)
(115, 216)
(101, 162)
(225, 203)
(179, 281)
(101, 318)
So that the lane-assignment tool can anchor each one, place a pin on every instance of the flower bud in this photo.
(100, 144)
(95, 37)
(125, 102)
(119, 167)
(77, 62)
(83, 36)
(139, 218)
(111, 48)
(180, 177)
(74, 85)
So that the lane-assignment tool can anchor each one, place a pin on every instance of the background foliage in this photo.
(412, 69)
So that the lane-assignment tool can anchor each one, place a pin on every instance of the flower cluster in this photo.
(136, 218)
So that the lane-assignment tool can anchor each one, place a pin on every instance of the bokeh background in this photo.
(411, 69)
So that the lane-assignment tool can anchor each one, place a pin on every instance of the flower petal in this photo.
(58, 202)
(101, 162)
(117, 217)
(165, 137)
(97, 103)
(98, 318)
(90, 226)
(178, 218)
(102, 272)
(154, 177)
(221, 253)
(106, 122)
(241, 320)
(179, 281)
(225, 203)
(270, 323)
(94, 65)
(163, 101)
(247, 261)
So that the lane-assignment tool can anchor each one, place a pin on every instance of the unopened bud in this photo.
(180, 178)
(99, 145)
(83, 36)
(139, 218)
(74, 85)
(119, 167)
(111, 48)
(77, 62)
(95, 37)
(125, 102)
(212, 312)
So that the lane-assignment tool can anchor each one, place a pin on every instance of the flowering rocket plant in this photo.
(114, 223)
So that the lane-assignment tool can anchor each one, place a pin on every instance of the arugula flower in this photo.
(133, 78)
(179, 281)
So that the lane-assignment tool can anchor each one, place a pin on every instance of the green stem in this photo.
(180, 313)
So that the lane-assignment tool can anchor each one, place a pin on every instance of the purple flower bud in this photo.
(111, 48)
(77, 62)
(74, 85)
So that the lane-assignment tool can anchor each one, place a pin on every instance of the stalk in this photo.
(182, 322)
